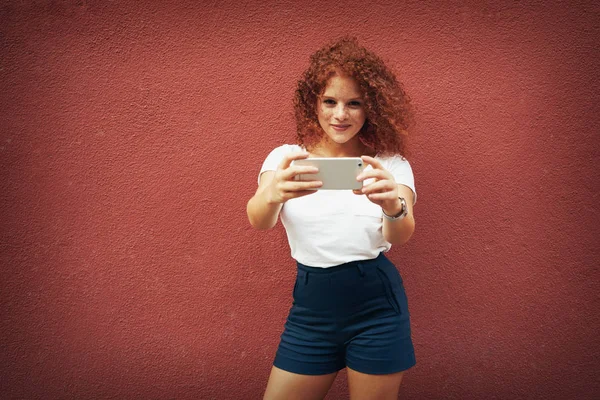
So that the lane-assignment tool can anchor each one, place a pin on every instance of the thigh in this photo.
(380, 387)
(289, 386)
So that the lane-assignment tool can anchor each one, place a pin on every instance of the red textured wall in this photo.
(131, 137)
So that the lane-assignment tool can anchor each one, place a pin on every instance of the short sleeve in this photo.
(275, 156)
(400, 168)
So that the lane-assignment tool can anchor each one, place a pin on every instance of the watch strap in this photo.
(403, 212)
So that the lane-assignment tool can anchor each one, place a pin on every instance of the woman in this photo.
(350, 309)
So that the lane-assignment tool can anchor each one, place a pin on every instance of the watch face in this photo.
(403, 212)
(404, 208)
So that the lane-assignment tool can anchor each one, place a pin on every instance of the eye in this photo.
(329, 102)
(355, 103)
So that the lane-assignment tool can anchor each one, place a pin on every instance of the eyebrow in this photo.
(352, 99)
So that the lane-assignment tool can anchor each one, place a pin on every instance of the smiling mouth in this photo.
(340, 127)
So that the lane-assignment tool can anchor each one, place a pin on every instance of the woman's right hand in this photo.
(283, 186)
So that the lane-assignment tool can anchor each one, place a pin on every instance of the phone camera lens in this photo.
(360, 164)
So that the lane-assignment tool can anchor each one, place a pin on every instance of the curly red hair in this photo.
(387, 107)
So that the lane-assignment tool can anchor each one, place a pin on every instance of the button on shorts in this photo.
(354, 315)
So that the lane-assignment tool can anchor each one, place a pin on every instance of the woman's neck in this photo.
(332, 149)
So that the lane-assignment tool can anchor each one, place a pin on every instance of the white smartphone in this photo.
(336, 173)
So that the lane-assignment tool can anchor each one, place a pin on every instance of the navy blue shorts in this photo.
(354, 314)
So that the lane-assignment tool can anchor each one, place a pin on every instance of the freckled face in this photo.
(341, 110)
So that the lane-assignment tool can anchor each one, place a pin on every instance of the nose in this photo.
(340, 113)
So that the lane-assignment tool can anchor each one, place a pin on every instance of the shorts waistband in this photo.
(342, 267)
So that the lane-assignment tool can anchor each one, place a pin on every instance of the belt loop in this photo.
(306, 278)
(360, 269)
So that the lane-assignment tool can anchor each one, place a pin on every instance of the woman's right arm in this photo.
(277, 187)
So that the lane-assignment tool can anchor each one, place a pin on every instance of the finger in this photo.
(302, 193)
(372, 161)
(381, 196)
(373, 173)
(290, 172)
(296, 186)
(379, 187)
(289, 157)
(357, 191)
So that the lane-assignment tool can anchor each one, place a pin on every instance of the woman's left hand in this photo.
(383, 191)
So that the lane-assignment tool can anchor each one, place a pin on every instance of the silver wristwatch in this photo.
(403, 212)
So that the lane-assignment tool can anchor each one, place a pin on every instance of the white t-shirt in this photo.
(332, 227)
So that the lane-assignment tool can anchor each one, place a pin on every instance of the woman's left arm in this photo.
(385, 192)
